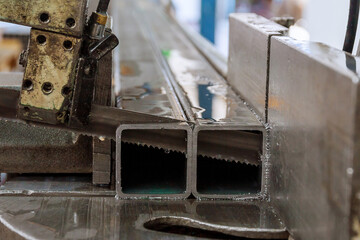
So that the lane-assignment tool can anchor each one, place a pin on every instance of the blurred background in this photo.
(316, 20)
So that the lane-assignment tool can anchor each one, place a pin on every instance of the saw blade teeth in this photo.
(232, 160)
(220, 158)
(167, 150)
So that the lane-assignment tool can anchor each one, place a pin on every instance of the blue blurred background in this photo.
(317, 20)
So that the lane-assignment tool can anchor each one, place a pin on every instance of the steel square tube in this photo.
(236, 169)
(206, 97)
(143, 171)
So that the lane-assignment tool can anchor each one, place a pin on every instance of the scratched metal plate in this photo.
(108, 218)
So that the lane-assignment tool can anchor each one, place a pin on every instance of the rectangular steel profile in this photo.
(314, 118)
(206, 97)
(144, 171)
(249, 50)
(142, 86)
(235, 170)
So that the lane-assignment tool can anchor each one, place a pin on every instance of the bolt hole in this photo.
(28, 85)
(65, 91)
(44, 18)
(41, 39)
(70, 22)
(47, 88)
(68, 45)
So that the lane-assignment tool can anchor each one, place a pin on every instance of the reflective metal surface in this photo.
(313, 115)
(204, 95)
(103, 120)
(22, 185)
(108, 218)
(217, 60)
(161, 72)
(208, 95)
(140, 83)
(249, 59)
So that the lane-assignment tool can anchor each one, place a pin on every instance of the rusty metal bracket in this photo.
(62, 16)
(49, 76)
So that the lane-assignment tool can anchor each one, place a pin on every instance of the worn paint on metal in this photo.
(28, 12)
(51, 63)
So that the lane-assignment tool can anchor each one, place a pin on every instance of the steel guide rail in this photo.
(147, 152)
(217, 60)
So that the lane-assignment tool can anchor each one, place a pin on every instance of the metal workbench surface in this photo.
(108, 218)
